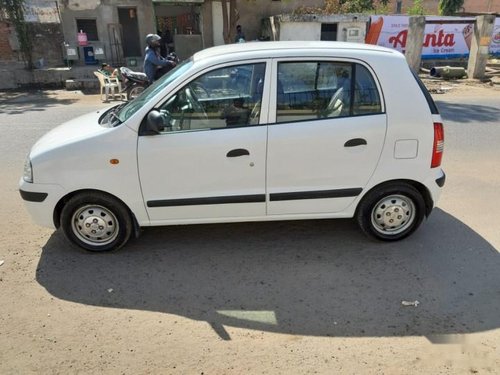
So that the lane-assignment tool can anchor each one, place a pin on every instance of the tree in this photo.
(345, 6)
(417, 9)
(449, 7)
(230, 14)
(230, 17)
(13, 11)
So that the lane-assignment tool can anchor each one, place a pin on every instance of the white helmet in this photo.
(150, 38)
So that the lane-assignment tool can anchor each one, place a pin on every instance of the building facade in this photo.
(93, 31)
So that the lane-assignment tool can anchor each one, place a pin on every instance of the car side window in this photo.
(221, 98)
(318, 90)
(366, 96)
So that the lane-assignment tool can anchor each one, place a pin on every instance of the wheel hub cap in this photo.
(393, 214)
(95, 225)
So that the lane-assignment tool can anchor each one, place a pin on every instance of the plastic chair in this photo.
(110, 86)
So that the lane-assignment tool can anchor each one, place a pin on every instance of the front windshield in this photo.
(133, 106)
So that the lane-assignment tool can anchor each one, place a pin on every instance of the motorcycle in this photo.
(136, 82)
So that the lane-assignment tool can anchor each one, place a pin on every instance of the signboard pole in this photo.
(479, 48)
(414, 42)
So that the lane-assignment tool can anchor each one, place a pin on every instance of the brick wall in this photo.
(475, 6)
(47, 43)
(6, 53)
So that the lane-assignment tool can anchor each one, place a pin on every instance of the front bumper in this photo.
(40, 201)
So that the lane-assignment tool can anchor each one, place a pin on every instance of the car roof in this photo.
(274, 49)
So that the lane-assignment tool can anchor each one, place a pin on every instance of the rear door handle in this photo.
(237, 152)
(355, 142)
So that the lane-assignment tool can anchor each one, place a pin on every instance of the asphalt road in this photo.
(282, 297)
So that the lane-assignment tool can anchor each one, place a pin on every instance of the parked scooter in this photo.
(136, 82)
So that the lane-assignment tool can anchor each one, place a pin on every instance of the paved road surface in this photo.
(282, 297)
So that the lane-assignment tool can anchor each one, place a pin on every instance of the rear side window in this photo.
(432, 106)
(323, 89)
(366, 97)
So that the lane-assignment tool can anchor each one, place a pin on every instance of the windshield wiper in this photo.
(118, 107)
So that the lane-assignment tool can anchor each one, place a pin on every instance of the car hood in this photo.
(76, 130)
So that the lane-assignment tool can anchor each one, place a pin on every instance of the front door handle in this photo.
(355, 142)
(237, 152)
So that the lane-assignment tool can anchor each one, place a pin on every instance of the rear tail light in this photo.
(437, 149)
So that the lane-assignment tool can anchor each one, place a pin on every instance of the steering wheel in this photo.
(334, 107)
(199, 90)
(194, 104)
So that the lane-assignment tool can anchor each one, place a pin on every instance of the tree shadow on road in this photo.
(15, 103)
(465, 113)
(319, 278)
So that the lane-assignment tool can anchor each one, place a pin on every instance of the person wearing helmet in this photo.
(154, 64)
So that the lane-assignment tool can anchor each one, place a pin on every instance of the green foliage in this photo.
(381, 8)
(417, 9)
(450, 7)
(357, 6)
(347, 6)
(13, 11)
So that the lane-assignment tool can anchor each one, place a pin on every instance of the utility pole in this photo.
(479, 48)
(415, 41)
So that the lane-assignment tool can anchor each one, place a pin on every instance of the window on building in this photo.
(329, 31)
(89, 27)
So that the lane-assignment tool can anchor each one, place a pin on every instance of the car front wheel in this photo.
(391, 212)
(96, 222)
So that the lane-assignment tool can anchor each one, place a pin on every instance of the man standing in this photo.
(240, 37)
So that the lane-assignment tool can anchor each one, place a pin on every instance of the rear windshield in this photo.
(428, 97)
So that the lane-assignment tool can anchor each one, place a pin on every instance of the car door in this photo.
(208, 162)
(327, 135)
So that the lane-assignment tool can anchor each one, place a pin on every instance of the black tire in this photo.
(391, 212)
(134, 91)
(96, 222)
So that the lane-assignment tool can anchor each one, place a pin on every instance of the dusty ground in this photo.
(268, 298)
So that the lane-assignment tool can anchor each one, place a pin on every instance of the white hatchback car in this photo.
(248, 132)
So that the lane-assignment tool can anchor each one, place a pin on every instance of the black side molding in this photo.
(257, 198)
(338, 193)
(30, 196)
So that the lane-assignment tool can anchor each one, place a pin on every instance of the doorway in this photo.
(329, 31)
(130, 32)
(179, 25)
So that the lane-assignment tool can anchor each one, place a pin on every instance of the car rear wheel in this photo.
(391, 212)
(96, 222)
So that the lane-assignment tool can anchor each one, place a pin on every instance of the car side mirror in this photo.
(155, 122)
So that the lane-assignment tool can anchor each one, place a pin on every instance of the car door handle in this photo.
(355, 142)
(237, 152)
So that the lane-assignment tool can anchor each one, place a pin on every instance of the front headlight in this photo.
(28, 171)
